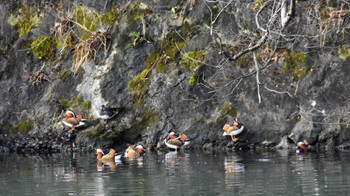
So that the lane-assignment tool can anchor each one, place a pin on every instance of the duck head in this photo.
(69, 114)
(140, 149)
(111, 152)
(99, 153)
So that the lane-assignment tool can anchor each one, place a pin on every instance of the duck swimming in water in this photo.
(175, 142)
(302, 146)
(102, 157)
(134, 151)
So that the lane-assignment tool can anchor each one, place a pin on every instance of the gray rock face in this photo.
(302, 94)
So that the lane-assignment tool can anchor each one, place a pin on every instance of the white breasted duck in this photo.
(134, 151)
(175, 142)
(108, 113)
(233, 130)
(108, 157)
(73, 121)
(105, 160)
(302, 146)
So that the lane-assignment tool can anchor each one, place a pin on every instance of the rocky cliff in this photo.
(282, 68)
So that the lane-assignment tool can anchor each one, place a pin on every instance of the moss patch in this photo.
(193, 79)
(77, 104)
(191, 60)
(224, 110)
(228, 109)
(138, 86)
(344, 52)
(20, 127)
(257, 4)
(25, 19)
(109, 17)
(148, 118)
(44, 47)
(295, 62)
(137, 11)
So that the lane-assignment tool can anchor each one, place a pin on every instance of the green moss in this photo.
(95, 132)
(257, 4)
(44, 47)
(344, 52)
(151, 60)
(227, 109)
(88, 19)
(134, 38)
(86, 105)
(138, 86)
(20, 127)
(109, 17)
(137, 11)
(63, 74)
(78, 104)
(25, 19)
(224, 110)
(193, 79)
(188, 30)
(139, 82)
(148, 118)
(192, 60)
(295, 62)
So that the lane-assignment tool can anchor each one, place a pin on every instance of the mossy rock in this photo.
(344, 52)
(76, 104)
(295, 62)
(192, 60)
(137, 11)
(193, 80)
(44, 47)
(138, 86)
(20, 127)
(25, 19)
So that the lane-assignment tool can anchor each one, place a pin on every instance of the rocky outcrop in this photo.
(172, 64)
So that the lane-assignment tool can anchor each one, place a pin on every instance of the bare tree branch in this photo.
(257, 76)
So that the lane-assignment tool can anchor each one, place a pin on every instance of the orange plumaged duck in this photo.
(108, 157)
(302, 146)
(73, 121)
(175, 142)
(134, 151)
(233, 130)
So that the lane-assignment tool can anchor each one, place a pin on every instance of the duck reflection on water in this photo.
(232, 165)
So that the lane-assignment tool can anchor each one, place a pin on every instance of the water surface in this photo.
(178, 173)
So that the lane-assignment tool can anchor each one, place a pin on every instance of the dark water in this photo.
(178, 173)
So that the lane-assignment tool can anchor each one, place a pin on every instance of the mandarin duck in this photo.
(233, 130)
(105, 157)
(135, 151)
(174, 141)
(302, 146)
(73, 121)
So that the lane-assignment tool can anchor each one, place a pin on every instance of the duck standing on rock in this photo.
(176, 141)
(73, 121)
(232, 130)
